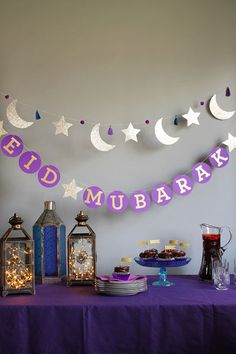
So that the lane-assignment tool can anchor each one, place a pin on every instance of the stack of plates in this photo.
(108, 285)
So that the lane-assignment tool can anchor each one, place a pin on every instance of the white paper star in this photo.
(71, 190)
(191, 117)
(2, 131)
(62, 126)
(230, 142)
(131, 133)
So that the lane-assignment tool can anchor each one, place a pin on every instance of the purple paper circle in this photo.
(93, 197)
(12, 145)
(30, 162)
(117, 201)
(162, 194)
(182, 184)
(201, 172)
(219, 157)
(49, 176)
(140, 201)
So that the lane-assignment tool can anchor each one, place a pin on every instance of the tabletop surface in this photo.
(189, 317)
(188, 290)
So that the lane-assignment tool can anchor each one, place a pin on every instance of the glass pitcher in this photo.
(212, 250)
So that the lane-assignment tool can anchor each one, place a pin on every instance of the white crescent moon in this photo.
(14, 118)
(97, 141)
(162, 136)
(218, 112)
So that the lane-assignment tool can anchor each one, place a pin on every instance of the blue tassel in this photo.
(176, 121)
(227, 92)
(37, 115)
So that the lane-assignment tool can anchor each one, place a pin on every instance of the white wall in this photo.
(114, 62)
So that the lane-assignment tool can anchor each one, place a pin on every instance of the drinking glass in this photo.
(235, 271)
(221, 276)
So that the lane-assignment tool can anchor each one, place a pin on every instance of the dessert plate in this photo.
(109, 286)
(163, 262)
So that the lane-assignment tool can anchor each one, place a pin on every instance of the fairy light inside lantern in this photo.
(81, 253)
(17, 260)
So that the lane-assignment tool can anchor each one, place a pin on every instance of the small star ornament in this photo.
(62, 126)
(131, 133)
(230, 142)
(71, 190)
(2, 131)
(191, 117)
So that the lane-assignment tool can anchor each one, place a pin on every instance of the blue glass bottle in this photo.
(49, 234)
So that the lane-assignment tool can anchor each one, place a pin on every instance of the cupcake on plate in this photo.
(149, 254)
(166, 255)
(121, 273)
(179, 254)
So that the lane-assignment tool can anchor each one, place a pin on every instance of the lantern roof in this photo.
(81, 218)
(16, 224)
(15, 220)
(49, 216)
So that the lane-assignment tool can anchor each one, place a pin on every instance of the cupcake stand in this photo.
(162, 264)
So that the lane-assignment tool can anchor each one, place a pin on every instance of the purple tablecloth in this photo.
(190, 317)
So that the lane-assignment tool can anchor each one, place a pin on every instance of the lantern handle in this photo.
(15, 220)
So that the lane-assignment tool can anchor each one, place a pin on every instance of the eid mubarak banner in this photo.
(117, 201)
(162, 193)
(30, 161)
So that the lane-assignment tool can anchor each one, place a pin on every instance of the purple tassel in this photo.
(110, 131)
(7, 96)
(227, 92)
(202, 103)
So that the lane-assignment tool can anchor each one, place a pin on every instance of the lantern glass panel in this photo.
(50, 245)
(81, 258)
(18, 265)
(17, 260)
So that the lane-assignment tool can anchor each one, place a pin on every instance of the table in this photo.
(190, 317)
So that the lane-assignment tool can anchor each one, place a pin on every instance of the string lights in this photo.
(81, 253)
(16, 260)
(18, 274)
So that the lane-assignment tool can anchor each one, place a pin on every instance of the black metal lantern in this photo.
(81, 253)
(17, 260)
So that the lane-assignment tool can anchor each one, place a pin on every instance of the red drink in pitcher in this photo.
(212, 251)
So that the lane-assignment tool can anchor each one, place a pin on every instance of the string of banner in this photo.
(117, 201)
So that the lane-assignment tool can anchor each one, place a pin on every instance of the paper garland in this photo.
(117, 201)
(71, 190)
(131, 133)
(62, 126)
(162, 194)
(191, 117)
(230, 142)
(2, 131)
(30, 161)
